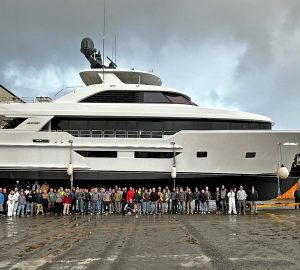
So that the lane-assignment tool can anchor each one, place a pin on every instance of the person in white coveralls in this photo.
(231, 202)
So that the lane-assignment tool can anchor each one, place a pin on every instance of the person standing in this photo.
(208, 198)
(197, 200)
(153, 198)
(107, 201)
(218, 200)
(124, 197)
(223, 199)
(86, 200)
(29, 203)
(67, 200)
(146, 202)
(253, 197)
(39, 203)
(4, 192)
(10, 204)
(73, 207)
(45, 187)
(173, 199)
(80, 196)
(17, 185)
(59, 201)
(137, 197)
(45, 202)
(181, 201)
(297, 197)
(130, 194)
(21, 204)
(36, 186)
(95, 201)
(202, 198)
(118, 199)
(16, 199)
(51, 199)
(241, 199)
(231, 202)
(189, 198)
(164, 199)
(1, 201)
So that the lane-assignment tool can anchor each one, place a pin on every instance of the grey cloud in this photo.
(259, 41)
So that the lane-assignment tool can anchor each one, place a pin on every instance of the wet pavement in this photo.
(270, 240)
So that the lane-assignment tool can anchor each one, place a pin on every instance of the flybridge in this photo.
(113, 76)
(100, 73)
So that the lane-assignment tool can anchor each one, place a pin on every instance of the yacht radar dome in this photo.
(91, 54)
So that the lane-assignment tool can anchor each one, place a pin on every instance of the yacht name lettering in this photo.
(33, 123)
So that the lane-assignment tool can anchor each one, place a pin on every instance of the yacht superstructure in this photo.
(125, 125)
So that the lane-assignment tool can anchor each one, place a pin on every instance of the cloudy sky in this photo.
(242, 55)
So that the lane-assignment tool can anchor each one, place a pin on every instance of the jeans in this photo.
(197, 206)
(86, 206)
(203, 207)
(224, 205)
(100, 207)
(153, 208)
(164, 208)
(29, 208)
(95, 208)
(80, 206)
(21, 208)
(145, 207)
(174, 206)
(241, 204)
(253, 207)
(207, 206)
(118, 207)
(181, 207)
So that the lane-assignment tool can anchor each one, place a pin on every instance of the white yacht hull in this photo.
(21, 158)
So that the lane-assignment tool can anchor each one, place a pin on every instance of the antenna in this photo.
(103, 37)
(115, 49)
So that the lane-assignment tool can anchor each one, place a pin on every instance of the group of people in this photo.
(43, 200)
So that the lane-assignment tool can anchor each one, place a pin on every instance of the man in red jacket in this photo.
(130, 194)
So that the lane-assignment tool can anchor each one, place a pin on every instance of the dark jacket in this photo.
(189, 196)
(39, 198)
(253, 196)
(297, 193)
(137, 197)
(154, 197)
(202, 197)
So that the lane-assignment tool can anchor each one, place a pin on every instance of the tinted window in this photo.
(201, 154)
(154, 154)
(155, 97)
(250, 154)
(177, 98)
(103, 154)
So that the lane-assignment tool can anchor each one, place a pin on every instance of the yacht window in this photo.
(155, 97)
(177, 98)
(250, 154)
(154, 154)
(10, 123)
(98, 154)
(202, 154)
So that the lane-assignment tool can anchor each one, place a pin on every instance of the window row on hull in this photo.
(153, 124)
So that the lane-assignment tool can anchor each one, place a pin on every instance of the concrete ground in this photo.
(269, 240)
